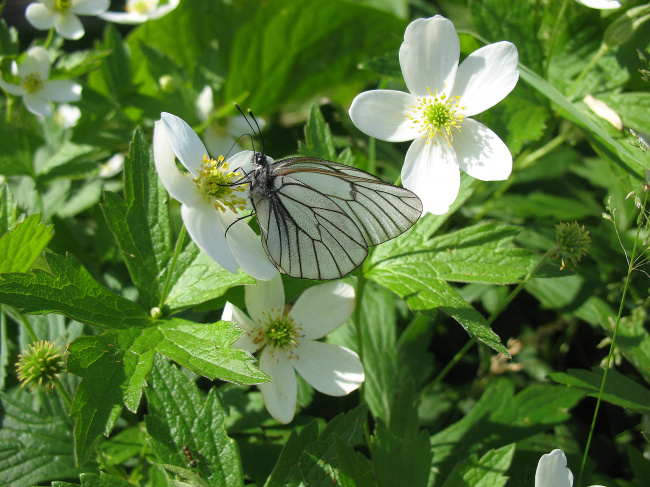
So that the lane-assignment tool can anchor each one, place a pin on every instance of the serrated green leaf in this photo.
(309, 458)
(141, 223)
(34, 447)
(196, 278)
(8, 40)
(122, 446)
(180, 417)
(114, 367)
(22, 246)
(72, 291)
(633, 108)
(114, 75)
(398, 442)
(318, 137)
(488, 471)
(500, 418)
(96, 480)
(49, 159)
(206, 350)
(619, 389)
(7, 210)
(355, 470)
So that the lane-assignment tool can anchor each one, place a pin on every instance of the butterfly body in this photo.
(317, 217)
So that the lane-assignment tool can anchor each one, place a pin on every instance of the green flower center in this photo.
(280, 330)
(140, 6)
(216, 183)
(41, 365)
(32, 82)
(62, 5)
(437, 115)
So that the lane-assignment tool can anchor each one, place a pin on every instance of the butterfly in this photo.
(317, 218)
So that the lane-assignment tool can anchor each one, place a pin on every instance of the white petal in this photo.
(600, 4)
(37, 105)
(206, 230)
(330, 369)
(429, 55)
(431, 171)
(61, 91)
(127, 18)
(204, 103)
(486, 77)
(251, 330)
(164, 9)
(243, 161)
(265, 297)
(218, 142)
(246, 246)
(37, 61)
(69, 26)
(382, 114)
(180, 186)
(12, 88)
(281, 394)
(40, 16)
(186, 144)
(481, 153)
(323, 308)
(90, 7)
(552, 471)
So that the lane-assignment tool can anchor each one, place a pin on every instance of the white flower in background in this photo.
(434, 113)
(600, 4)
(288, 341)
(67, 116)
(552, 471)
(34, 86)
(112, 167)
(139, 11)
(62, 15)
(219, 137)
(209, 200)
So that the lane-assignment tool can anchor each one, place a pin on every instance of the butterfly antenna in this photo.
(257, 134)
(259, 130)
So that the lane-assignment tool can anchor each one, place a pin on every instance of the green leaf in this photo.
(514, 21)
(619, 389)
(72, 291)
(487, 472)
(633, 108)
(398, 443)
(114, 76)
(355, 470)
(309, 458)
(179, 417)
(500, 418)
(96, 480)
(206, 350)
(8, 40)
(619, 150)
(141, 223)
(22, 246)
(196, 278)
(7, 210)
(633, 338)
(318, 137)
(34, 447)
(114, 367)
(319, 48)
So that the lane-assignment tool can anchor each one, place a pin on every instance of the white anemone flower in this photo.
(435, 112)
(67, 116)
(62, 15)
(552, 471)
(209, 199)
(288, 341)
(218, 136)
(139, 11)
(34, 87)
(600, 4)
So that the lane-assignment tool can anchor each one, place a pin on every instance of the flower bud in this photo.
(167, 83)
(623, 28)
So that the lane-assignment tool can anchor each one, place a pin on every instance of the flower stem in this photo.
(170, 270)
(361, 285)
(63, 392)
(50, 37)
(630, 267)
(603, 49)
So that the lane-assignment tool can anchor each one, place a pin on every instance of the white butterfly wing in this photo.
(319, 217)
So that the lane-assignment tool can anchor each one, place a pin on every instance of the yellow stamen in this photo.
(437, 115)
(216, 183)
